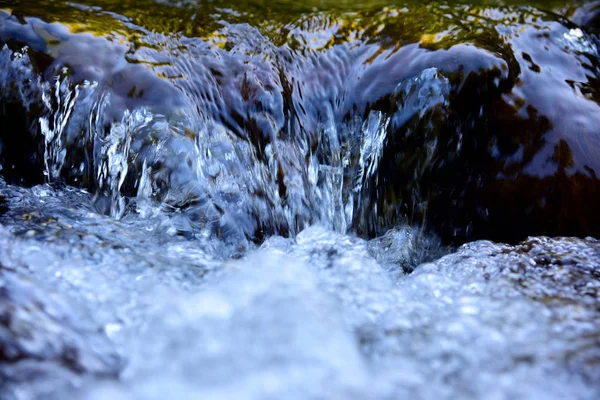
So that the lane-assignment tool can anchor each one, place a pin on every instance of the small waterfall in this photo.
(252, 131)
(261, 200)
(144, 157)
(60, 103)
(374, 132)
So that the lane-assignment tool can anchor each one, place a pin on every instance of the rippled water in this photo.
(358, 119)
(222, 200)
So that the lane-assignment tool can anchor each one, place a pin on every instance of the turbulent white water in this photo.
(324, 315)
(215, 252)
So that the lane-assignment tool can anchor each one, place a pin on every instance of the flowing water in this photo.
(264, 199)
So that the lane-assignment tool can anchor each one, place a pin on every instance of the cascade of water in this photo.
(60, 104)
(374, 132)
(228, 148)
(269, 129)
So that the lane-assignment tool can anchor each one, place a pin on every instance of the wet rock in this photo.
(512, 151)
(561, 275)
(21, 147)
(567, 269)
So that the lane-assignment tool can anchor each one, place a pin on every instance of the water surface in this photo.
(227, 200)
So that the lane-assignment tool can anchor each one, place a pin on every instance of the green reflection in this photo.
(201, 18)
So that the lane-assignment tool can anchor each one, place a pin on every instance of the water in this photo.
(323, 315)
(359, 119)
(264, 200)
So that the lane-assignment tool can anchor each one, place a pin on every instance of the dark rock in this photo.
(21, 144)
(514, 149)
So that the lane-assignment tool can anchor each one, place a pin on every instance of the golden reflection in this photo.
(342, 20)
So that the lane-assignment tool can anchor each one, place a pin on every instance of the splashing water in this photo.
(321, 315)
(201, 201)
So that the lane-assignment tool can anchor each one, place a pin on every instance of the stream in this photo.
(299, 200)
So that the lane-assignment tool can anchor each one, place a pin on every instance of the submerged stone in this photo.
(514, 151)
